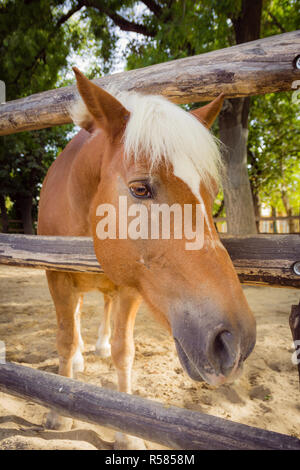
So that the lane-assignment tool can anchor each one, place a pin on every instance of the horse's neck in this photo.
(83, 182)
(69, 188)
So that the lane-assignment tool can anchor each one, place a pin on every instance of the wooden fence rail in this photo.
(257, 67)
(266, 219)
(170, 426)
(261, 259)
(262, 66)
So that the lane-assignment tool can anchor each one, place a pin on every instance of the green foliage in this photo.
(34, 46)
(25, 159)
(183, 29)
(273, 149)
(38, 40)
(280, 16)
(190, 27)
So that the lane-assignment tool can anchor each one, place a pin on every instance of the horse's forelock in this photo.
(164, 133)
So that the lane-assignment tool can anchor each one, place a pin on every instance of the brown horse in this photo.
(147, 151)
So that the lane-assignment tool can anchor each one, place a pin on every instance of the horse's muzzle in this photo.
(213, 354)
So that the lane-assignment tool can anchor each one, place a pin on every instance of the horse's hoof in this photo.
(103, 351)
(56, 422)
(125, 442)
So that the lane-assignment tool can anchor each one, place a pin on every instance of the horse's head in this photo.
(153, 153)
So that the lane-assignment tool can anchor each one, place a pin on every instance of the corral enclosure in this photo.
(265, 396)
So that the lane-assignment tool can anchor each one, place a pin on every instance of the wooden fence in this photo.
(266, 224)
(266, 65)
(168, 425)
(260, 259)
(253, 68)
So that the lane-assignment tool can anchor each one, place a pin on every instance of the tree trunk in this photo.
(233, 124)
(4, 216)
(256, 203)
(255, 188)
(274, 214)
(288, 210)
(24, 204)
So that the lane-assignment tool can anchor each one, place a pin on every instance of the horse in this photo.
(145, 150)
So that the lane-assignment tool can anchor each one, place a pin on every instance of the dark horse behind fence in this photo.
(144, 150)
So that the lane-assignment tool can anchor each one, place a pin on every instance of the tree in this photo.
(34, 47)
(24, 161)
(274, 156)
(165, 30)
(233, 123)
(170, 29)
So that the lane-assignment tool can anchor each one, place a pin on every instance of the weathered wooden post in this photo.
(294, 320)
(252, 68)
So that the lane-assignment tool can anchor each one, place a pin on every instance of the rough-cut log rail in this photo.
(168, 425)
(257, 67)
(265, 259)
(261, 259)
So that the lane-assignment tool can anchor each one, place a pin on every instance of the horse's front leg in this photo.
(103, 348)
(67, 301)
(125, 307)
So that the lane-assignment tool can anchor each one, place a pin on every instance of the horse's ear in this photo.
(208, 113)
(107, 111)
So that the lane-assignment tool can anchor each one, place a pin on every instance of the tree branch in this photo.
(119, 20)
(276, 22)
(154, 7)
(126, 25)
(219, 210)
(42, 52)
(71, 12)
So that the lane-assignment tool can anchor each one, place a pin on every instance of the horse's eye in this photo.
(140, 189)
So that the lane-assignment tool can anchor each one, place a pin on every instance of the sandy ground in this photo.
(266, 395)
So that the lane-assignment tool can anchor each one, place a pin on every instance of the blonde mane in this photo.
(165, 133)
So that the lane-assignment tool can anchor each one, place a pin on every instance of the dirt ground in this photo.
(266, 395)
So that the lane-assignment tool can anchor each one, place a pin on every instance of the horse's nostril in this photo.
(249, 349)
(224, 351)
